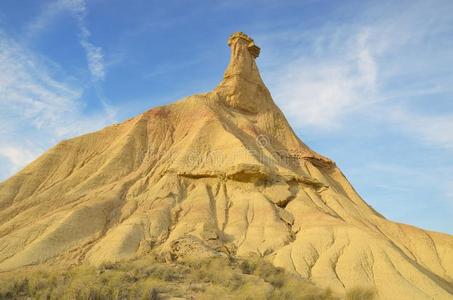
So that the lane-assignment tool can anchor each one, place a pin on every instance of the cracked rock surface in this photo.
(214, 174)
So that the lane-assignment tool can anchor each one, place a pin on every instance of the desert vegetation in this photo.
(150, 278)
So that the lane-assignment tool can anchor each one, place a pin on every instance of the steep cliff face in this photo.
(220, 173)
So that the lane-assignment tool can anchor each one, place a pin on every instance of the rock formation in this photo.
(220, 173)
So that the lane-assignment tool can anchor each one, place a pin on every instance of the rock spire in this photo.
(242, 87)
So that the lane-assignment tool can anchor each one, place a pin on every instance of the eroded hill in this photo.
(214, 174)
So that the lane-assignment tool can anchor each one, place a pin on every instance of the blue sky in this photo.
(366, 83)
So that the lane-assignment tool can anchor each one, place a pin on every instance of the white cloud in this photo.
(95, 60)
(319, 90)
(333, 73)
(36, 109)
(28, 90)
(52, 11)
(433, 129)
(94, 54)
(17, 156)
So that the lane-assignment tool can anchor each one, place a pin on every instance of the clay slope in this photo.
(220, 173)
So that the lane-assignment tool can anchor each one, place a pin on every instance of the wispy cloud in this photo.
(433, 129)
(372, 66)
(52, 11)
(36, 109)
(78, 9)
(319, 90)
(17, 156)
(94, 53)
(95, 60)
(27, 88)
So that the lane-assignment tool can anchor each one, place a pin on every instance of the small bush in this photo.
(160, 271)
(217, 271)
(108, 266)
(360, 293)
(247, 266)
(153, 294)
(273, 275)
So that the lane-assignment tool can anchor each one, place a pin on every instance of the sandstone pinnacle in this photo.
(242, 87)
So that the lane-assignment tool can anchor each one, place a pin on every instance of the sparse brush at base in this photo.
(148, 278)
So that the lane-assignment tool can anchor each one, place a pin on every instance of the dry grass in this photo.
(148, 278)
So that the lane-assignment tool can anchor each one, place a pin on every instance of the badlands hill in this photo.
(214, 174)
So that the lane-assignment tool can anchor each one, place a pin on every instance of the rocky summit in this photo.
(214, 174)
